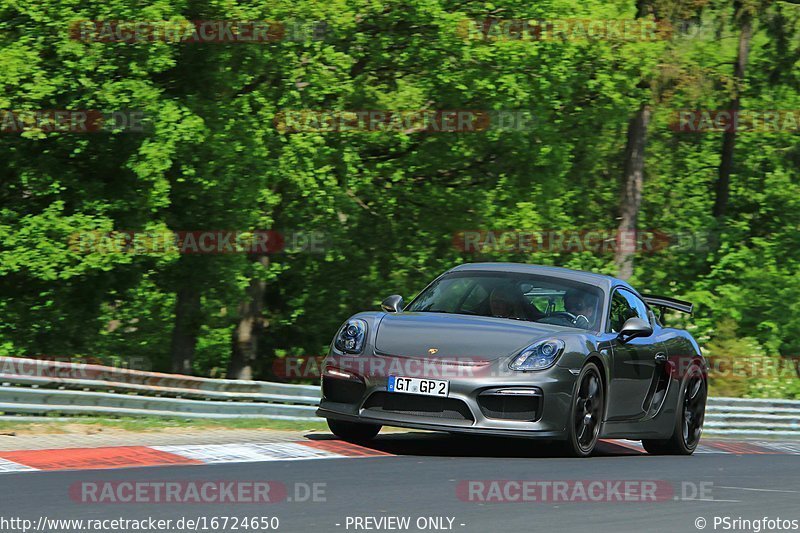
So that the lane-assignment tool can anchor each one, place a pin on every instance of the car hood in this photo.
(456, 336)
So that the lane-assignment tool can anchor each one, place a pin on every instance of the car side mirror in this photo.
(634, 327)
(392, 304)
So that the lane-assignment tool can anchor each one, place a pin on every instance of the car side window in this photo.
(620, 311)
(639, 305)
(625, 305)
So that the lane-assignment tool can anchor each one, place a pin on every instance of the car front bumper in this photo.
(484, 398)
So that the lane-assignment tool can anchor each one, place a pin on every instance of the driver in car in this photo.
(507, 301)
(582, 305)
(501, 303)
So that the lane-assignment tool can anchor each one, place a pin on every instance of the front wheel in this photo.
(586, 415)
(688, 419)
(353, 431)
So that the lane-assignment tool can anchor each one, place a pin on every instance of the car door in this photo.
(633, 362)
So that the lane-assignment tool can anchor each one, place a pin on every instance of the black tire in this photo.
(586, 415)
(689, 417)
(353, 431)
(654, 447)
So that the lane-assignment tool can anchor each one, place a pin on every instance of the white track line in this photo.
(757, 490)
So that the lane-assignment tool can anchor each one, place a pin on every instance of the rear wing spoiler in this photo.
(669, 303)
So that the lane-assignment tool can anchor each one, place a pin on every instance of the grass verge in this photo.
(151, 424)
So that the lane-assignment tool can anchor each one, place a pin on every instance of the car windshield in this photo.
(514, 296)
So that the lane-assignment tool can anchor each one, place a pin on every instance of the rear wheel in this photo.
(353, 431)
(586, 417)
(688, 419)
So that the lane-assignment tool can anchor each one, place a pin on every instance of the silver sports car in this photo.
(520, 350)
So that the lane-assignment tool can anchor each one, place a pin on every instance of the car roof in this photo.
(600, 280)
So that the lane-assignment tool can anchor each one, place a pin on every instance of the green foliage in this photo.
(742, 366)
(389, 203)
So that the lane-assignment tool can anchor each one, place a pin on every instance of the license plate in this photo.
(426, 387)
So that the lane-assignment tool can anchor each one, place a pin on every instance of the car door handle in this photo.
(661, 358)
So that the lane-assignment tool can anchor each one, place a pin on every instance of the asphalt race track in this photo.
(421, 475)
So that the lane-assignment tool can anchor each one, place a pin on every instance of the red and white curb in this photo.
(282, 451)
(732, 447)
(201, 454)
(134, 456)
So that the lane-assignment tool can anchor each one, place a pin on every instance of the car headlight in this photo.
(538, 356)
(351, 336)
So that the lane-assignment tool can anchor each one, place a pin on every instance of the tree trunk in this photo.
(631, 198)
(186, 329)
(722, 186)
(244, 349)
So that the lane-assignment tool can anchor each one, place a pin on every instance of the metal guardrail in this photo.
(31, 386)
(742, 417)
